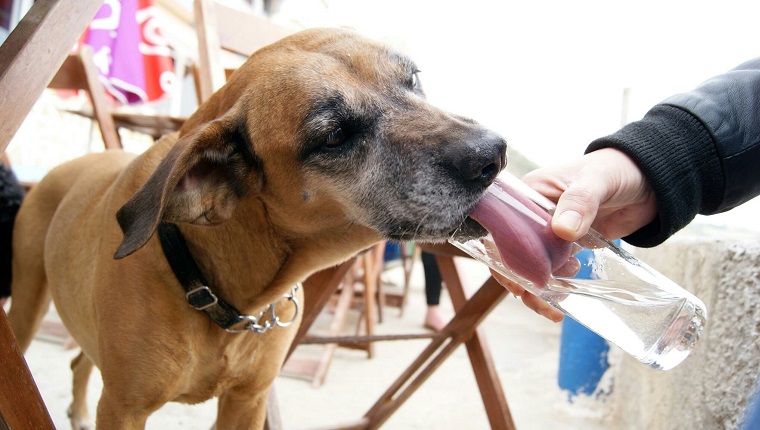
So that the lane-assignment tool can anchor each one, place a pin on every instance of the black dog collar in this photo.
(200, 296)
(197, 291)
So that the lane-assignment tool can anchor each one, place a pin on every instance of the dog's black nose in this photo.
(480, 159)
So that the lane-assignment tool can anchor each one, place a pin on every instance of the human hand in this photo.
(604, 189)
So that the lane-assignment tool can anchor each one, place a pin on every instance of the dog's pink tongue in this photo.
(522, 233)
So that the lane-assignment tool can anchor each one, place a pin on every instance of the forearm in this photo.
(699, 150)
(729, 107)
(677, 155)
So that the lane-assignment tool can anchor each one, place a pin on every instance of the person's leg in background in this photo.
(434, 319)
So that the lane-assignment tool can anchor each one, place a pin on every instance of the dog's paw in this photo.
(85, 424)
(79, 422)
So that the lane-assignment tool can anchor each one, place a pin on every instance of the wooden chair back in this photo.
(78, 72)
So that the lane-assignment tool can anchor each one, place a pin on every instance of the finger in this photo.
(530, 300)
(542, 308)
(627, 220)
(547, 182)
(576, 210)
(509, 285)
(569, 269)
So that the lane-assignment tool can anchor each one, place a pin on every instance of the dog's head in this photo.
(327, 131)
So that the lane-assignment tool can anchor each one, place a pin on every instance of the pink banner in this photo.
(132, 56)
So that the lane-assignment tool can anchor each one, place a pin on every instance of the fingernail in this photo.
(570, 220)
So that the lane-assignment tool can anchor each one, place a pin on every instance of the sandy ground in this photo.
(524, 347)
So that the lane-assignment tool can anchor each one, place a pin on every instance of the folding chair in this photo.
(78, 72)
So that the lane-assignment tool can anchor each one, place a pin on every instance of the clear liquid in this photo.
(628, 303)
(657, 329)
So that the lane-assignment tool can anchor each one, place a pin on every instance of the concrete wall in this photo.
(710, 389)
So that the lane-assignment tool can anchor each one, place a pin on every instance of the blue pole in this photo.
(752, 419)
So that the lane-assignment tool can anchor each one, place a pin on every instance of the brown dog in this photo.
(319, 146)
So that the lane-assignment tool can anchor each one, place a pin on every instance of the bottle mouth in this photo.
(469, 229)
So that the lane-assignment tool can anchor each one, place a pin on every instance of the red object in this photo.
(131, 54)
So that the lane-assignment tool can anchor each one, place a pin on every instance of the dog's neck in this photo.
(272, 261)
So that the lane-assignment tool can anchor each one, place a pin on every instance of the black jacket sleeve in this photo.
(699, 150)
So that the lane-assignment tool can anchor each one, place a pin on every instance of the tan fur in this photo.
(260, 213)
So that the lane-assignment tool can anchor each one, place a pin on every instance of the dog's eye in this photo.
(414, 80)
(335, 139)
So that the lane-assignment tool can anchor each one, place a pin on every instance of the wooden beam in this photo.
(32, 54)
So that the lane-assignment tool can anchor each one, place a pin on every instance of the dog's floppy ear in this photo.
(199, 181)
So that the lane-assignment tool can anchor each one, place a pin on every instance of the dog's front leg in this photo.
(115, 414)
(243, 407)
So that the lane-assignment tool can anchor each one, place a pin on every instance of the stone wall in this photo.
(710, 389)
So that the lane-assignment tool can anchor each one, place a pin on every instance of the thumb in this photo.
(576, 210)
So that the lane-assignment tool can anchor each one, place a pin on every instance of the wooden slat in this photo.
(459, 330)
(32, 54)
(245, 35)
(221, 27)
(70, 76)
(100, 107)
(211, 75)
(21, 406)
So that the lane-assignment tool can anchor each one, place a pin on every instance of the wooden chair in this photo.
(471, 311)
(21, 406)
(33, 52)
(31, 55)
(356, 289)
(78, 72)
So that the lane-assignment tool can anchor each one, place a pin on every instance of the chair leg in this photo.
(318, 290)
(461, 329)
(486, 375)
(336, 326)
(373, 266)
(408, 260)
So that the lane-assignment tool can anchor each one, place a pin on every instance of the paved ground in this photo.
(525, 349)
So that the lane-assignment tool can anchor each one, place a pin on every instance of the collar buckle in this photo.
(201, 298)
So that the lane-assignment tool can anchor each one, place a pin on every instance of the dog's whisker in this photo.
(419, 226)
